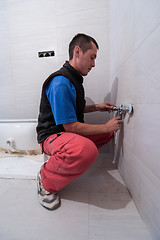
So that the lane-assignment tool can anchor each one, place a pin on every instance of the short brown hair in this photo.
(83, 41)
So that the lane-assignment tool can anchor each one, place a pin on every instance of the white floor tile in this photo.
(96, 206)
(25, 167)
(121, 224)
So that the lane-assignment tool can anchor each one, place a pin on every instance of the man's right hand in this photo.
(114, 124)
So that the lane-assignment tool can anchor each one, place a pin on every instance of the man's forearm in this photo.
(91, 108)
(85, 129)
(105, 106)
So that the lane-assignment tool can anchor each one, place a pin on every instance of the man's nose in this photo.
(93, 63)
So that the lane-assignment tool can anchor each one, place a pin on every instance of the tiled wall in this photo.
(28, 27)
(135, 78)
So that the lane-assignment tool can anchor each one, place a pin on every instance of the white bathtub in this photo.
(18, 135)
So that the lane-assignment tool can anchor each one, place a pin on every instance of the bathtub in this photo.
(18, 135)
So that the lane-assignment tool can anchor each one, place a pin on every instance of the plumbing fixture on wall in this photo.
(120, 111)
(123, 109)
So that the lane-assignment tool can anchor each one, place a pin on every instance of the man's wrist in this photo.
(97, 107)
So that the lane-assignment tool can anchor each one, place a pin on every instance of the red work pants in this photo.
(70, 156)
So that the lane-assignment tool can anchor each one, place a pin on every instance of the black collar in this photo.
(74, 72)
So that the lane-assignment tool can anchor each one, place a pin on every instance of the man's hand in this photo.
(106, 106)
(114, 124)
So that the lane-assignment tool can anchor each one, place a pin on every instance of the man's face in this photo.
(86, 61)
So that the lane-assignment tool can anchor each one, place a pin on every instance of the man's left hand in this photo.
(105, 106)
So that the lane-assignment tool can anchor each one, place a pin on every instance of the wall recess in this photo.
(46, 54)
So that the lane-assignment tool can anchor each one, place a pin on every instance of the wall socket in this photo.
(46, 54)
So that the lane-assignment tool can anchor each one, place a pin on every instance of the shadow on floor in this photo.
(98, 187)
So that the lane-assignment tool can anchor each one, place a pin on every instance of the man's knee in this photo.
(88, 151)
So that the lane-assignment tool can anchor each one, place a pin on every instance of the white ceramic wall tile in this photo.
(146, 19)
(29, 18)
(126, 36)
(147, 74)
(7, 103)
(123, 83)
(75, 5)
(27, 28)
(135, 76)
(146, 134)
(122, 32)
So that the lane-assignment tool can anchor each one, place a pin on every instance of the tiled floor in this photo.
(97, 206)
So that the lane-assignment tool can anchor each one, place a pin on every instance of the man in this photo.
(63, 135)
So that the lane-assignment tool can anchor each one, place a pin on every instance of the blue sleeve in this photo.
(62, 97)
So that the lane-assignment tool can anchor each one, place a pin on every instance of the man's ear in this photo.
(77, 51)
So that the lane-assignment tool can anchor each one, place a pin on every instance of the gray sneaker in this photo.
(48, 200)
